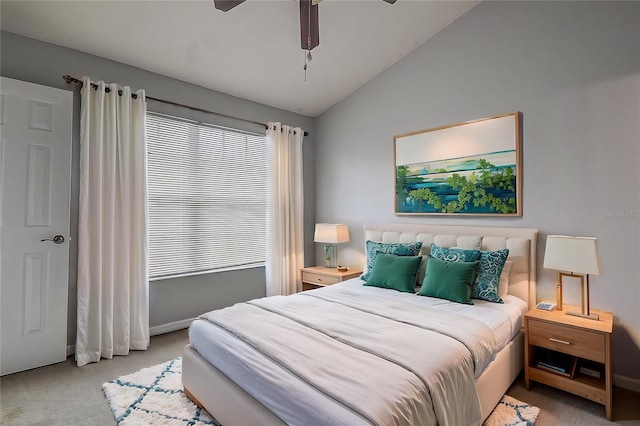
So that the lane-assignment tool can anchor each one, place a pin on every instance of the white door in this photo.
(35, 167)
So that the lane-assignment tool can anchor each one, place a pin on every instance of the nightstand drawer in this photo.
(566, 339)
(310, 277)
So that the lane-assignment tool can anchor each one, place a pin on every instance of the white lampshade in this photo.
(333, 233)
(572, 254)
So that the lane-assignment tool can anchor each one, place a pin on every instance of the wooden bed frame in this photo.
(208, 387)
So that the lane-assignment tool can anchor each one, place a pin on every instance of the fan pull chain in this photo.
(308, 57)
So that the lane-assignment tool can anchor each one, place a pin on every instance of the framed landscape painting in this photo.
(471, 168)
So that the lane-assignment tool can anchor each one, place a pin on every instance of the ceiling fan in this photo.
(309, 34)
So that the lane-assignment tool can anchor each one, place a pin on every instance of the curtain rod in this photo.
(70, 80)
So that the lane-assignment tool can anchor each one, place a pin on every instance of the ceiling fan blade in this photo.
(308, 25)
(226, 5)
(390, 1)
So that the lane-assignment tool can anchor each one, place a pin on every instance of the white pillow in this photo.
(503, 290)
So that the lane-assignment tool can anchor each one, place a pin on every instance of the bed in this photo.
(299, 359)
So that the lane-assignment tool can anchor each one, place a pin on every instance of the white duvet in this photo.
(350, 354)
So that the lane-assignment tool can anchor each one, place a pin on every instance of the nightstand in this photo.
(570, 353)
(319, 276)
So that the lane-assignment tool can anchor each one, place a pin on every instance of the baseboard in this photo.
(169, 327)
(626, 382)
(71, 349)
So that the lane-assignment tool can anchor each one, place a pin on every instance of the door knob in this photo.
(58, 239)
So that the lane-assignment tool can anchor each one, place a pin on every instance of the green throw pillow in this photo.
(394, 272)
(449, 280)
(401, 249)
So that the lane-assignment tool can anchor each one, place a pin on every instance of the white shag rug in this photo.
(511, 412)
(154, 396)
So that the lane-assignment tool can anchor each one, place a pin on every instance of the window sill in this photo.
(211, 271)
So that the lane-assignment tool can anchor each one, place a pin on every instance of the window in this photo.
(207, 197)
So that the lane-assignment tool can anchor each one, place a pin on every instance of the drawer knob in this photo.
(564, 342)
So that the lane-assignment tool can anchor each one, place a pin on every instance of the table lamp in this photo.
(570, 256)
(332, 234)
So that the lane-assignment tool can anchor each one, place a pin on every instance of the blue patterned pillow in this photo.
(454, 254)
(488, 280)
(399, 249)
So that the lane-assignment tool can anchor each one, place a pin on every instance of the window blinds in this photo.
(207, 197)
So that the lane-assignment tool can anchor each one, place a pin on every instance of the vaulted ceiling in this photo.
(252, 51)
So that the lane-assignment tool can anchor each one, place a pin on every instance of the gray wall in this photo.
(170, 300)
(573, 70)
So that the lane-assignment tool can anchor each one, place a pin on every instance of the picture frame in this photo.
(472, 168)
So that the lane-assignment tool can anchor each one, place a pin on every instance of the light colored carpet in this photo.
(154, 395)
(559, 408)
(64, 394)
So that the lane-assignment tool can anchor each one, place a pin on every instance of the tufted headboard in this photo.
(521, 243)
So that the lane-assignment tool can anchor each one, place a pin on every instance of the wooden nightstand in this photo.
(585, 343)
(319, 276)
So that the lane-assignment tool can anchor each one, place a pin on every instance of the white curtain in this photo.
(113, 284)
(285, 230)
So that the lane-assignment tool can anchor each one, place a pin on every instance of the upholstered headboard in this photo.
(521, 243)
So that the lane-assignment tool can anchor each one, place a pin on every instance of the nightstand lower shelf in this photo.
(576, 386)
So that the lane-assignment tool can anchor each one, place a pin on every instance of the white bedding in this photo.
(505, 319)
(289, 395)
